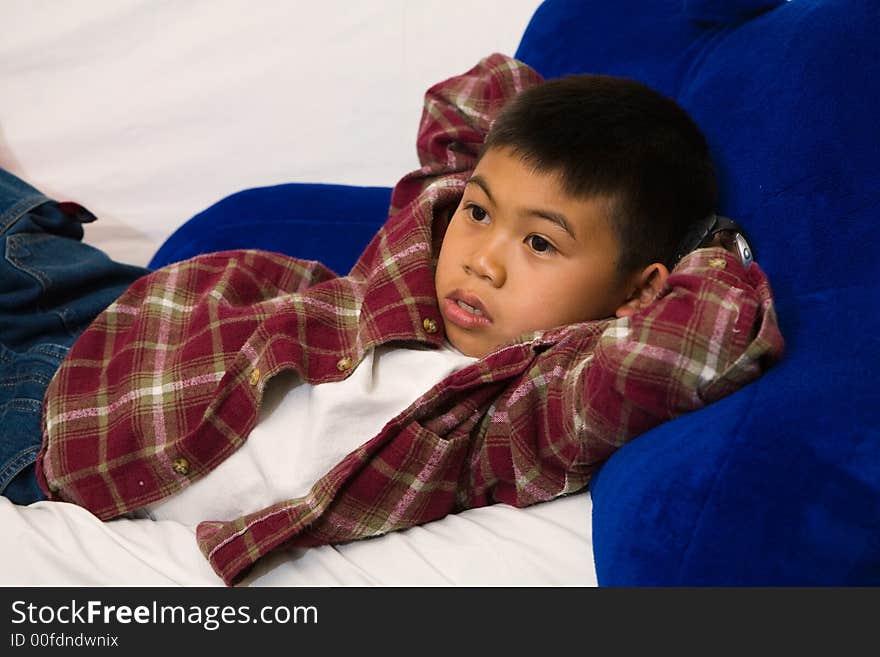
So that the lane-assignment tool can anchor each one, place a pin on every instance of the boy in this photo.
(525, 309)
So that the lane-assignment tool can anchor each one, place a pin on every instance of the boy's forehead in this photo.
(499, 166)
(509, 178)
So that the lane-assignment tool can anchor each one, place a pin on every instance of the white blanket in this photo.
(54, 543)
(149, 112)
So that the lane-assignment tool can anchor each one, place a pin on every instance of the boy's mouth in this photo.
(466, 310)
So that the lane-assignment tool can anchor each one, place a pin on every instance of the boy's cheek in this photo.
(441, 274)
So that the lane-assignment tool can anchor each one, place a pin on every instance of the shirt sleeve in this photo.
(712, 331)
(457, 115)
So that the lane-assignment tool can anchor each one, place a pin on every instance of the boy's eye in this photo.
(539, 244)
(477, 213)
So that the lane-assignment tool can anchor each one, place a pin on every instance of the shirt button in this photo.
(343, 364)
(254, 378)
(181, 466)
(717, 263)
(430, 325)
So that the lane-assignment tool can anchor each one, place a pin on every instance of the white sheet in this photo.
(147, 112)
(54, 543)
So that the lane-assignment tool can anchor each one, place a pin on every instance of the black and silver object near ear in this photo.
(745, 249)
(702, 233)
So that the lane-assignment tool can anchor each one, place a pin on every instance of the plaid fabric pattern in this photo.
(167, 382)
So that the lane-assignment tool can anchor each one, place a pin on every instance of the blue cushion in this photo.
(779, 484)
(724, 11)
(328, 223)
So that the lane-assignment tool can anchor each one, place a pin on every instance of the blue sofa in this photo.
(778, 484)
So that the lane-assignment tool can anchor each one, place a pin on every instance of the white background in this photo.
(149, 111)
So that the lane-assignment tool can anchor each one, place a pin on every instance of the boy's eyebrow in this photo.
(555, 217)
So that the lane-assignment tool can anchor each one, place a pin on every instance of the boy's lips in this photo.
(466, 310)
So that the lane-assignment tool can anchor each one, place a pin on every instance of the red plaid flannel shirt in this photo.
(167, 382)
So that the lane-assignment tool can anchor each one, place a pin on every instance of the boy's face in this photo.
(521, 255)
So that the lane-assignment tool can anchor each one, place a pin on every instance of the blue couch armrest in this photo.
(328, 223)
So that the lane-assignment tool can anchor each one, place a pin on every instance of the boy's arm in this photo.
(456, 118)
(712, 331)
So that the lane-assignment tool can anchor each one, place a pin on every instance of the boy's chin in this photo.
(470, 345)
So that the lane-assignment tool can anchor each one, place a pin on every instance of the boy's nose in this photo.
(488, 264)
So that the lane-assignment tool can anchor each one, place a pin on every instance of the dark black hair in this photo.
(617, 138)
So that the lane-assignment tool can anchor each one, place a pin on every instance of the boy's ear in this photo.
(644, 287)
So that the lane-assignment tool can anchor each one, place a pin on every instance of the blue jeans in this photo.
(51, 287)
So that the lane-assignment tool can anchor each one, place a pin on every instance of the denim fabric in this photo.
(51, 287)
